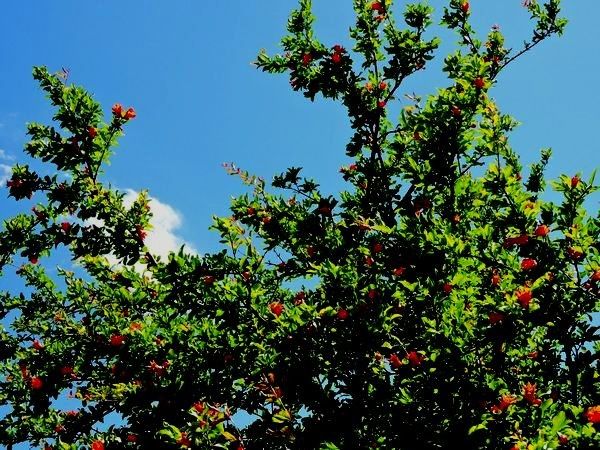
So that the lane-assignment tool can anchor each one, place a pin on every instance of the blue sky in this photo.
(186, 68)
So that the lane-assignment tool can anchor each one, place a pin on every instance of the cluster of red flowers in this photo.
(338, 52)
(121, 113)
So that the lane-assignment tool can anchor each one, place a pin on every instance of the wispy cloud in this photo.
(163, 237)
(5, 156)
(5, 174)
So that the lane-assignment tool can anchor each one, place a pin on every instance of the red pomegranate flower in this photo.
(37, 345)
(528, 264)
(592, 414)
(530, 394)
(395, 361)
(276, 308)
(184, 440)
(130, 114)
(465, 7)
(306, 59)
(415, 358)
(524, 297)
(505, 401)
(117, 110)
(479, 83)
(97, 445)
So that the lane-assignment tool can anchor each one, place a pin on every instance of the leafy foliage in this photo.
(438, 302)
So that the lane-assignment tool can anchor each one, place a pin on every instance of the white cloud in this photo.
(162, 238)
(5, 156)
(5, 174)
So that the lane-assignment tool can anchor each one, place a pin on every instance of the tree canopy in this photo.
(440, 301)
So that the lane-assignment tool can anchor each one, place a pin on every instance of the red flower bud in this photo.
(595, 276)
(495, 317)
(66, 370)
(97, 445)
(116, 340)
(456, 112)
(140, 232)
(575, 181)
(479, 83)
(399, 271)
(92, 132)
(377, 6)
(36, 383)
(574, 253)
(517, 240)
(465, 7)
(377, 247)
(37, 345)
(447, 288)
(381, 104)
(343, 314)
(306, 59)
(496, 279)
(199, 407)
(336, 58)
(542, 231)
